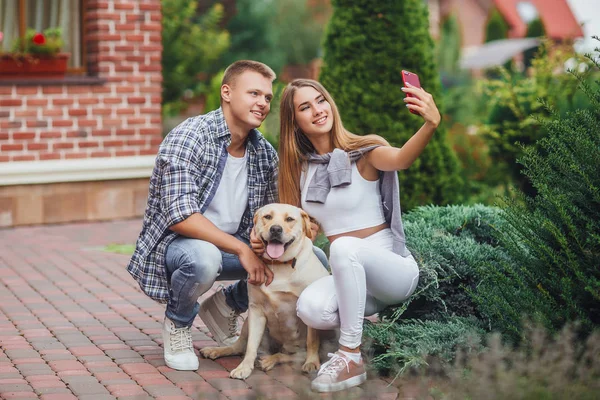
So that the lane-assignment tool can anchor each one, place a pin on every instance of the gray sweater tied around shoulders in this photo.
(334, 170)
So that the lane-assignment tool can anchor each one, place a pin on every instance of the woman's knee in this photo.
(341, 251)
(317, 305)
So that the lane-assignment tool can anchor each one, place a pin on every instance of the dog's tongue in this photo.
(275, 250)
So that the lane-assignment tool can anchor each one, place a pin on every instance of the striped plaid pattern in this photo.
(188, 169)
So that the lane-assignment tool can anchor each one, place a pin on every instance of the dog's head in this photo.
(282, 228)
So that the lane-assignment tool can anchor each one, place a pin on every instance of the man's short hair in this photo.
(241, 66)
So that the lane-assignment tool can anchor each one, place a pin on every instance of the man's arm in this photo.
(179, 194)
(197, 226)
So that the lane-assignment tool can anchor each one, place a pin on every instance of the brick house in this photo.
(558, 19)
(82, 147)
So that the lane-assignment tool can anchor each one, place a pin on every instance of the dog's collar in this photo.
(292, 261)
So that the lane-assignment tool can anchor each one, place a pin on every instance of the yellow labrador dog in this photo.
(285, 230)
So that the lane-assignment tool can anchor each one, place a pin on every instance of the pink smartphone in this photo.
(413, 79)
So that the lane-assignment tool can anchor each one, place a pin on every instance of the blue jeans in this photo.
(193, 266)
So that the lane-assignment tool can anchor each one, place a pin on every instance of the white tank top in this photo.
(346, 209)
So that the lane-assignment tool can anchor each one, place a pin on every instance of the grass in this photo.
(126, 249)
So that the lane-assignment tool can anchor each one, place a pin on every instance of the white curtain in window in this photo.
(66, 14)
(8, 24)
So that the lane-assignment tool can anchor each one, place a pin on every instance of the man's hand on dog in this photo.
(258, 247)
(258, 273)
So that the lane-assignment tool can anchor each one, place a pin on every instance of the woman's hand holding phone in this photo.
(418, 100)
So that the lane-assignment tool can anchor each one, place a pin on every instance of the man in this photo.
(212, 173)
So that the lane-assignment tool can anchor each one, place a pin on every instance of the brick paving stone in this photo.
(182, 376)
(227, 383)
(163, 390)
(52, 390)
(214, 374)
(85, 388)
(15, 387)
(58, 396)
(96, 397)
(151, 379)
(138, 368)
(196, 389)
(66, 365)
(240, 394)
(47, 384)
(172, 398)
(19, 395)
(86, 351)
(125, 390)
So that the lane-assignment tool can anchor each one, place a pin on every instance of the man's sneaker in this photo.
(339, 373)
(219, 318)
(179, 351)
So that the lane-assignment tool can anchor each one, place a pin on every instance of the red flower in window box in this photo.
(39, 39)
(36, 55)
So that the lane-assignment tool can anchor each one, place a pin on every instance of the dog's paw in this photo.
(311, 366)
(267, 363)
(212, 352)
(241, 372)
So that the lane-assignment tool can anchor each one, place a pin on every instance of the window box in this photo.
(33, 67)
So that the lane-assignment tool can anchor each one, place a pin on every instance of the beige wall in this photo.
(75, 201)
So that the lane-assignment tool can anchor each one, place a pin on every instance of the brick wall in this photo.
(118, 116)
(82, 148)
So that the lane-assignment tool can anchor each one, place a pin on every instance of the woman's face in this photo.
(312, 112)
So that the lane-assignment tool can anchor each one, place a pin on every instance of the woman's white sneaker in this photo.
(339, 373)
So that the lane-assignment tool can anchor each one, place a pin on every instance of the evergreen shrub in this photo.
(554, 236)
(367, 45)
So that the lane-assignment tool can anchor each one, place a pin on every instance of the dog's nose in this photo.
(276, 230)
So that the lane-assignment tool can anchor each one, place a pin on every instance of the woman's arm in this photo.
(392, 158)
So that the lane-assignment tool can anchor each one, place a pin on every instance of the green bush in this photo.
(554, 237)
(453, 246)
(542, 367)
(411, 344)
(191, 43)
(515, 112)
(367, 44)
(450, 245)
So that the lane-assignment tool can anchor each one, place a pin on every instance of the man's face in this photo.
(249, 97)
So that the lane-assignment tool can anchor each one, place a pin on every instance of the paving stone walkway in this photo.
(74, 325)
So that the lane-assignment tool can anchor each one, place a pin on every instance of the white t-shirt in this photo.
(227, 207)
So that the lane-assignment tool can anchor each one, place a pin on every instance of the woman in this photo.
(348, 183)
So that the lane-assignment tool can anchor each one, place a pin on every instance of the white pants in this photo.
(367, 277)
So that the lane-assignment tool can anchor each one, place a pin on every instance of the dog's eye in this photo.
(289, 219)
(268, 217)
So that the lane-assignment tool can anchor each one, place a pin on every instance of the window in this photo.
(16, 16)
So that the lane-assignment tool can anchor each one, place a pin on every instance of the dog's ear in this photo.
(256, 217)
(306, 224)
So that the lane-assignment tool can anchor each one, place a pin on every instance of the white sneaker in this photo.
(178, 347)
(339, 373)
(219, 318)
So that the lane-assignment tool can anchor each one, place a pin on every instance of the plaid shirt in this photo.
(188, 169)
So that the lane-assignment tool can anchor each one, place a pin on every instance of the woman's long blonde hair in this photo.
(294, 146)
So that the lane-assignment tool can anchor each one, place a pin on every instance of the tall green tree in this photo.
(496, 27)
(276, 32)
(191, 43)
(535, 29)
(367, 45)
